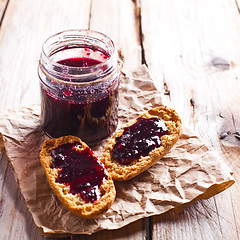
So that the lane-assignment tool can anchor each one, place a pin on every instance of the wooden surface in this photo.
(192, 49)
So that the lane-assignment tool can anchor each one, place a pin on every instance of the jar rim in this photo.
(82, 83)
(80, 34)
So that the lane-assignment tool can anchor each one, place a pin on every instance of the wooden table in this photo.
(192, 49)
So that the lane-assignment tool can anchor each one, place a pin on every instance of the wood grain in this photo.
(195, 53)
(3, 6)
(192, 49)
(133, 231)
(20, 45)
(119, 20)
(25, 26)
(21, 40)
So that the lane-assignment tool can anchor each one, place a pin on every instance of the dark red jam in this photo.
(139, 139)
(67, 112)
(80, 170)
(79, 62)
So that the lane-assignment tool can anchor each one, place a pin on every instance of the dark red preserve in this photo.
(139, 139)
(80, 170)
(79, 82)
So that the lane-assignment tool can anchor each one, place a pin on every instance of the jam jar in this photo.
(79, 81)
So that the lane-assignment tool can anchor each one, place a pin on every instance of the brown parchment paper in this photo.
(190, 171)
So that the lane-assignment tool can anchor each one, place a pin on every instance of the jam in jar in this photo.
(79, 80)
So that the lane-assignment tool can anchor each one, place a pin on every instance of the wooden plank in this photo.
(119, 20)
(25, 26)
(20, 46)
(202, 220)
(194, 53)
(3, 5)
(16, 221)
(131, 231)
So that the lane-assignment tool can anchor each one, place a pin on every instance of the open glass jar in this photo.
(79, 80)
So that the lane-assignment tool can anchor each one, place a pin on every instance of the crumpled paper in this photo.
(190, 171)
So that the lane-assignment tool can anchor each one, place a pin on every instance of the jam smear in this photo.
(92, 120)
(79, 169)
(139, 139)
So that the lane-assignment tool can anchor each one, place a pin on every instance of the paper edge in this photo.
(210, 192)
(214, 189)
(2, 145)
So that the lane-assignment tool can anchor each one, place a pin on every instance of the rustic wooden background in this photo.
(192, 49)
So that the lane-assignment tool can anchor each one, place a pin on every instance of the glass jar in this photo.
(79, 80)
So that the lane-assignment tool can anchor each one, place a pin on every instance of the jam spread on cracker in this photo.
(139, 139)
(79, 169)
